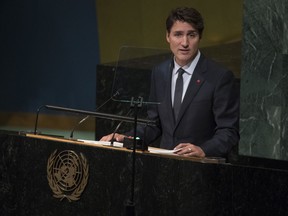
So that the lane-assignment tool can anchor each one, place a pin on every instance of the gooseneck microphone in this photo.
(37, 116)
(117, 128)
(117, 93)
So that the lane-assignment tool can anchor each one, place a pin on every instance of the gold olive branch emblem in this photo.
(67, 174)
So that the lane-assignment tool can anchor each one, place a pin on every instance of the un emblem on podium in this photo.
(67, 174)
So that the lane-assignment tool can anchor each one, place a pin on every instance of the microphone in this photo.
(117, 128)
(37, 116)
(117, 93)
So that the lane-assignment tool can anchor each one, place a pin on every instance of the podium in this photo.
(164, 184)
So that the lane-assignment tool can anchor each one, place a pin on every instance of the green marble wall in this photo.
(264, 91)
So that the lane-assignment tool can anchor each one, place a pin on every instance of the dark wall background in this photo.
(48, 54)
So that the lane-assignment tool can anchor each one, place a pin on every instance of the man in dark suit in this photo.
(198, 113)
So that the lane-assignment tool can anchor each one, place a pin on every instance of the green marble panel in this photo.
(264, 80)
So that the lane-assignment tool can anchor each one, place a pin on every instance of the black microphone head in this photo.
(118, 92)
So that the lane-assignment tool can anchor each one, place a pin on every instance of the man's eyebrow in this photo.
(179, 31)
(193, 31)
(190, 31)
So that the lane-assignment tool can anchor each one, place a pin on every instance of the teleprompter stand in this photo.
(130, 205)
(136, 105)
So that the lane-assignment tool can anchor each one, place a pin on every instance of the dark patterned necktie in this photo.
(178, 93)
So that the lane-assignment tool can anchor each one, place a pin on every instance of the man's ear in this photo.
(167, 37)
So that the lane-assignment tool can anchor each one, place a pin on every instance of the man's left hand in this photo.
(188, 150)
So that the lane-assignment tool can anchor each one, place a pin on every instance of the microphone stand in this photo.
(136, 104)
(118, 92)
(90, 113)
(130, 207)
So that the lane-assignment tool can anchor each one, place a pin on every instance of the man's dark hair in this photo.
(185, 14)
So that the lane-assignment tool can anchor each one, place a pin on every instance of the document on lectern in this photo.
(162, 151)
(120, 145)
(103, 143)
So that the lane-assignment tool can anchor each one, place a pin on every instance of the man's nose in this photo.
(185, 41)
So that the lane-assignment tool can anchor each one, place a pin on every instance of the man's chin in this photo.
(185, 59)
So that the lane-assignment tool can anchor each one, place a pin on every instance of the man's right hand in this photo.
(117, 137)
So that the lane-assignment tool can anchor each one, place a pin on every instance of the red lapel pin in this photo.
(198, 81)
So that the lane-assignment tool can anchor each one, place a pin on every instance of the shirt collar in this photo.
(189, 68)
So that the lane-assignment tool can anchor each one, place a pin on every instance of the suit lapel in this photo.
(168, 100)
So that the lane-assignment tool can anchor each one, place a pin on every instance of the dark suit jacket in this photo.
(209, 114)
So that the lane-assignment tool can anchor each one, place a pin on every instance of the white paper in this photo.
(120, 145)
(162, 151)
(103, 143)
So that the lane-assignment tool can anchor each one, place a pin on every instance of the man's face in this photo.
(184, 42)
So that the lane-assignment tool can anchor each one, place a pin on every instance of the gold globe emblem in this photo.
(67, 174)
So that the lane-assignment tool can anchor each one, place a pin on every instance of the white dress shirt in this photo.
(189, 70)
